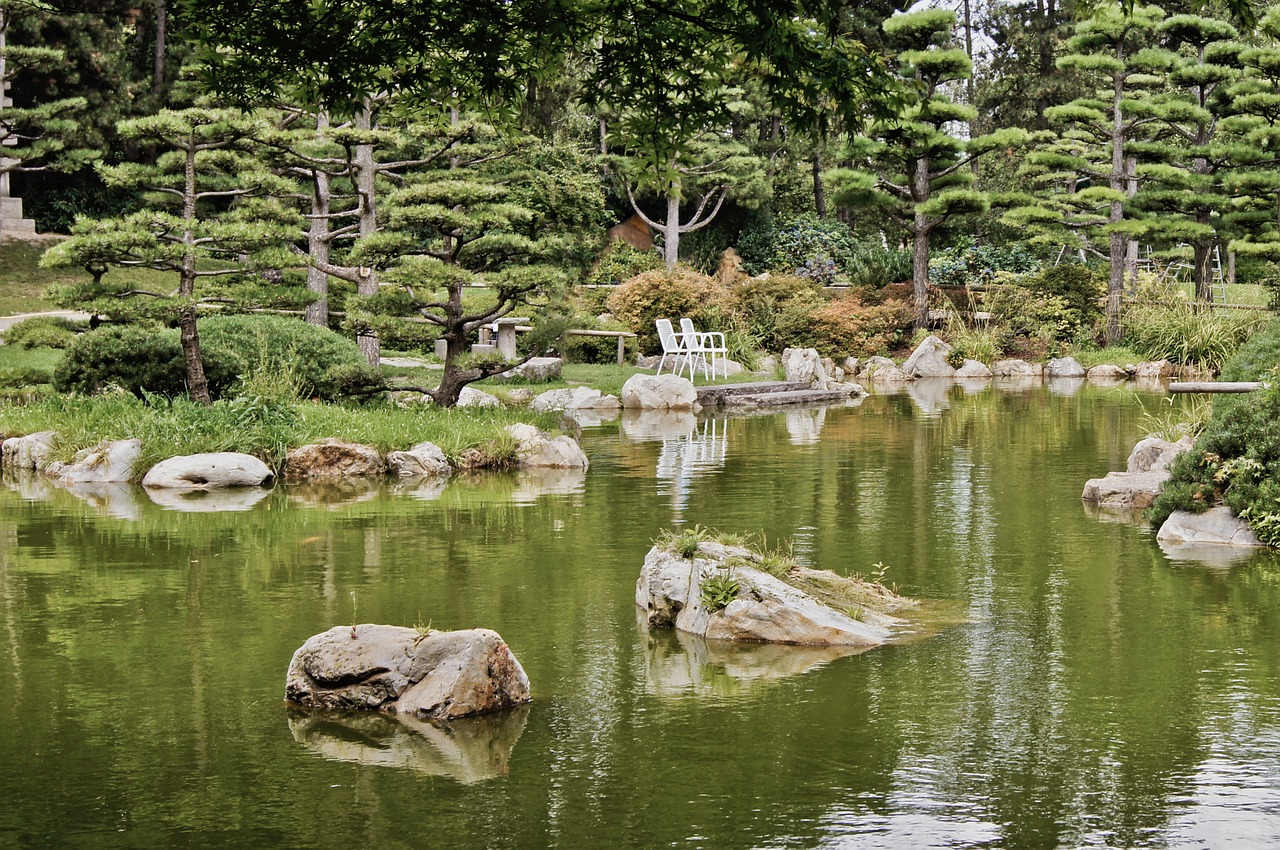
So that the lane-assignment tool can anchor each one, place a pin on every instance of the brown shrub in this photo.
(847, 326)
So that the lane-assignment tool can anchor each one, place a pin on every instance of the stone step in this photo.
(716, 395)
(777, 399)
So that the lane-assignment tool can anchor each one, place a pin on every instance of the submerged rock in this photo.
(812, 607)
(1126, 490)
(209, 471)
(438, 675)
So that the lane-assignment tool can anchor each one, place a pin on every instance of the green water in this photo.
(1099, 693)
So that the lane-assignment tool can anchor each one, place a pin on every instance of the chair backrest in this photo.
(667, 335)
(686, 327)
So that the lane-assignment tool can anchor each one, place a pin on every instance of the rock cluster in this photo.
(1145, 472)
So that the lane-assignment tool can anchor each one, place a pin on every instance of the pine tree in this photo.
(908, 164)
(208, 216)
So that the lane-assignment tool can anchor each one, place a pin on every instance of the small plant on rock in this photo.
(718, 591)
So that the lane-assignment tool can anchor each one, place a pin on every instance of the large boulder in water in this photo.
(1215, 526)
(537, 448)
(209, 471)
(813, 607)
(1152, 454)
(333, 459)
(423, 674)
(109, 462)
(1125, 490)
(929, 360)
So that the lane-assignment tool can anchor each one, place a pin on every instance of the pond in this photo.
(1090, 691)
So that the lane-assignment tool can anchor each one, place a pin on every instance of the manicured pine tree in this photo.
(1085, 174)
(208, 216)
(908, 164)
(1181, 199)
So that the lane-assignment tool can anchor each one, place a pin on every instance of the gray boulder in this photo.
(520, 396)
(1016, 369)
(670, 593)
(536, 448)
(333, 459)
(423, 674)
(973, 369)
(1106, 372)
(209, 471)
(1064, 367)
(29, 452)
(929, 360)
(803, 365)
(1214, 526)
(574, 398)
(537, 369)
(424, 459)
(1154, 369)
(1125, 490)
(111, 461)
(882, 370)
(659, 392)
(1152, 454)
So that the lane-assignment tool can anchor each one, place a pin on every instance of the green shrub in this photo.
(274, 343)
(1236, 462)
(138, 359)
(1259, 354)
(621, 262)
(970, 264)
(874, 266)
(665, 294)
(43, 332)
(1025, 312)
(815, 245)
(1079, 286)
(26, 376)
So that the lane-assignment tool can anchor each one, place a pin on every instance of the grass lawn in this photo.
(23, 282)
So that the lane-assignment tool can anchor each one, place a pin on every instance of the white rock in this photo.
(420, 460)
(537, 369)
(538, 449)
(1216, 525)
(472, 397)
(659, 392)
(973, 369)
(29, 452)
(109, 461)
(803, 365)
(520, 396)
(929, 360)
(1064, 367)
(766, 608)
(209, 471)
(574, 398)
(440, 675)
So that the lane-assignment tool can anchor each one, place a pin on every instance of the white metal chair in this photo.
(702, 343)
(674, 345)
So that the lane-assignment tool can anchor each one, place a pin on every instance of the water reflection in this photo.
(470, 749)
(1216, 555)
(679, 664)
(119, 500)
(1065, 387)
(804, 427)
(690, 448)
(931, 395)
(207, 501)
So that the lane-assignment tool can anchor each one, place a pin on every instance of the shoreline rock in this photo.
(209, 471)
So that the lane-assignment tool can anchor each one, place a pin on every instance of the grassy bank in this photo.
(262, 428)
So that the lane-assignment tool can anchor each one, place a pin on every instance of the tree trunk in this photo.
(671, 229)
(318, 239)
(1131, 244)
(366, 185)
(454, 378)
(1202, 260)
(920, 271)
(819, 191)
(197, 383)
(1118, 181)
(162, 38)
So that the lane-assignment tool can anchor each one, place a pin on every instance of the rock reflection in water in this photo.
(117, 499)
(535, 482)
(677, 663)
(468, 750)
(804, 427)
(335, 494)
(207, 501)
(1123, 516)
(1065, 387)
(642, 426)
(931, 395)
(1215, 555)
